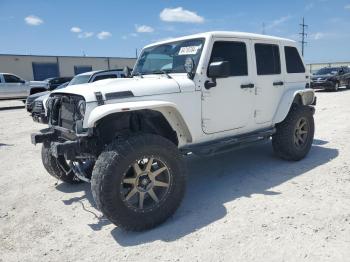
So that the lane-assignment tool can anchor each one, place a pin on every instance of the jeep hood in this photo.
(146, 86)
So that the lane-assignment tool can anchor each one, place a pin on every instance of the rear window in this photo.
(294, 63)
(267, 59)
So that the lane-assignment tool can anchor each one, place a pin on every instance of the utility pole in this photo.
(263, 28)
(303, 36)
(136, 53)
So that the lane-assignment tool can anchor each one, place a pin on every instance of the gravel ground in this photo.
(245, 205)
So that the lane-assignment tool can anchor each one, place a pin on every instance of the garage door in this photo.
(42, 71)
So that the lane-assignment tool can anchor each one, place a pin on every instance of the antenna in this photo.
(136, 53)
(303, 36)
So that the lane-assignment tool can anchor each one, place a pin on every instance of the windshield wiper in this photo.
(138, 74)
(162, 72)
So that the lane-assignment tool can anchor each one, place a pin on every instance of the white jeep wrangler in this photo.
(204, 93)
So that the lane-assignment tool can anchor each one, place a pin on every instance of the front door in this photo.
(13, 86)
(229, 105)
(269, 80)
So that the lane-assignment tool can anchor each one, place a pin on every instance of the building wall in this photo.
(316, 66)
(21, 65)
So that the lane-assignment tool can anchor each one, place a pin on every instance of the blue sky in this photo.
(117, 28)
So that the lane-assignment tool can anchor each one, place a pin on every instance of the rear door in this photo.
(295, 73)
(229, 104)
(269, 80)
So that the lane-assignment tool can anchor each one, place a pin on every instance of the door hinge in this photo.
(204, 120)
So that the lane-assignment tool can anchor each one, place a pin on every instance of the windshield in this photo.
(79, 79)
(328, 71)
(169, 57)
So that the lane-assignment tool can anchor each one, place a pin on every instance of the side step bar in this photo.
(230, 143)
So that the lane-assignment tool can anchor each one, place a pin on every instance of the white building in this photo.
(37, 67)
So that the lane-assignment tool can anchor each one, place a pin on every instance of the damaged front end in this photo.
(66, 134)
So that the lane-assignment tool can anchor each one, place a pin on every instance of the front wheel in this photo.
(336, 87)
(294, 136)
(139, 182)
(59, 167)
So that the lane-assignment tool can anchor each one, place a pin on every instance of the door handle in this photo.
(247, 86)
(278, 83)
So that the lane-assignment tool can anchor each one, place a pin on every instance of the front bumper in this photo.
(40, 118)
(322, 85)
(70, 149)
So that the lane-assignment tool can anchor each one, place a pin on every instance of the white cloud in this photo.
(309, 6)
(180, 15)
(318, 35)
(144, 29)
(86, 34)
(347, 7)
(104, 35)
(33, 20)
(277, 22)
(75, 29)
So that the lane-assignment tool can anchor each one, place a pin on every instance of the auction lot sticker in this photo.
(189, 50)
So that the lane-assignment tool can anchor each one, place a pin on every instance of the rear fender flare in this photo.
(307, 97)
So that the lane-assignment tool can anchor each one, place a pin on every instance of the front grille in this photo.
(63, 110)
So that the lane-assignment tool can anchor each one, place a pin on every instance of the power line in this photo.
(303, 36)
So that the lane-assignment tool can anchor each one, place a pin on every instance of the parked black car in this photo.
(57, 81)
(331, 78)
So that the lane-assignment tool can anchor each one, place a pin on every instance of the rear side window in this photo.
(267, 59)
(293, 61)
(101, 77)
(233, 52)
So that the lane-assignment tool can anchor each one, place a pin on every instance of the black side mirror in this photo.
(219, 69)
(22, 81)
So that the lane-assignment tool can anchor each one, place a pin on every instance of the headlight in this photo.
(81, 108)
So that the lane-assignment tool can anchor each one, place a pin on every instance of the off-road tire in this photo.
(111, 167)
(57, 167)
(283, 140)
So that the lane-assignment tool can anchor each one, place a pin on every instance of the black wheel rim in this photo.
(146, 184)
(301, 133)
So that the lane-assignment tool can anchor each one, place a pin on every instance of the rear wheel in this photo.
(140, 182)
(294, 136)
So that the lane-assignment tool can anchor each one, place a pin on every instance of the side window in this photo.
(294, 63)
(233, 52)
(101, 77)
(267, 59)
(11, 79)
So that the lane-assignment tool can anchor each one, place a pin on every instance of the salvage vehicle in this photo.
(36, 103)
(203, 94)
(331, 78)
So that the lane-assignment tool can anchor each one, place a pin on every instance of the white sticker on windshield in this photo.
(189, 50)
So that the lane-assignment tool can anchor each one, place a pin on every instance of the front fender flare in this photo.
(167, 109)
(307, 98)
